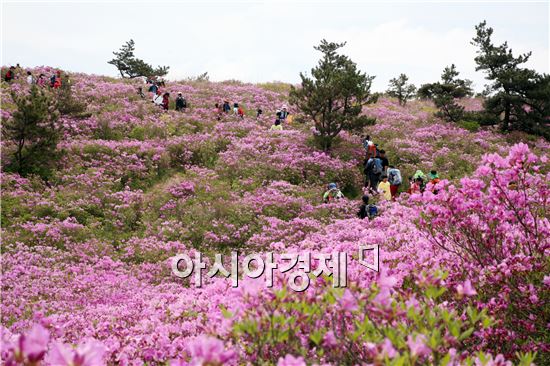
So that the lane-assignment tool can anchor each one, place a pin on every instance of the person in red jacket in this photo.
(165, 101)
(9, 74)
(57, 82)
(240, 111)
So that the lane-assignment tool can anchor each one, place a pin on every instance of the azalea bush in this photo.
(384, 324)
(497, 224)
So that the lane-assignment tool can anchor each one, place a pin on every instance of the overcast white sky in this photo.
(269, 40)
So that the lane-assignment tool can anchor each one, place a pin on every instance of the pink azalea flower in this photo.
(387, 349)
(466, 289)
(348, 301)
(31, 346)
(209, 350)
(35, 343)
(290, 360)
(329, 340)
(89, 353)
(417, 345)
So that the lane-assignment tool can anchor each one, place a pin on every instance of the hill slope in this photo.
(89, 255)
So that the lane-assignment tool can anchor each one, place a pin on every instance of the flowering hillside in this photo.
(87, 275)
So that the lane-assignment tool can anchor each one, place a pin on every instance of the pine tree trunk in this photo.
(506, 121)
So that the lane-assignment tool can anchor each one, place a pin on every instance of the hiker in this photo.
(384, 187)
(433, 179)
(371, 149)
(394, 177)
(30, 78)
(55, 80)
(165, 101)
(419, 174)
(226, 107)
(41, 80)
(181, 103)
(140, 92)
(373, 170)
(365, 141)
(277, 126)
(153, 89)
(235, 108)
(363, 211)
(284, 113)
(366, 210)
(10, 74)
(384, 160)
(259, 112)
(332, 194)
(157, 99)
(417, 186)
(419, 181)
(278, 114)
(240, 112)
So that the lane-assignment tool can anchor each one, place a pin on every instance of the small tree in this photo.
(400, 89)
(445, 93)
(67, 104)
(519, 97)
(335, 95)
(33, 131)
(131, 67)
(200, 78)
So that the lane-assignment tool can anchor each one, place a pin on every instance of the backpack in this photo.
(395, 177)
(372, 210)
(377, 167)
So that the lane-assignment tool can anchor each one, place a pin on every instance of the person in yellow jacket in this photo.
(384, 187)
(277, 126)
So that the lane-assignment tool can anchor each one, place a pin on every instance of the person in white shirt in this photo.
(30, 78)
(158, 98)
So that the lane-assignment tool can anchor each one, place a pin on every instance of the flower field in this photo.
(87, 258)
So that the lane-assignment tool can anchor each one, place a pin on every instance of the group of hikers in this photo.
(225, 108)
(54, 80)
(382, 179)
(163, 100)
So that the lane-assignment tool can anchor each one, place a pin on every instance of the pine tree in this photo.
(131, 67)
(400, 89)
(32, 130)
(67, 104)
(518, 96)
(335, 95)
(445, 93)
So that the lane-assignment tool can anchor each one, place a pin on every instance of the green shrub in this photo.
(104, 131)
(33, 132)
(471, 126)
